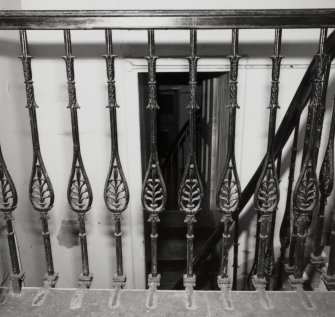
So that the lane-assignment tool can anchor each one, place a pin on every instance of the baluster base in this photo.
(153, 283)
(50, 280)
(189, 284)
(297, 285)
(85, 281)
(119, 281)
(329, 281)
(260, 284)
(224, 284)
(16, 282)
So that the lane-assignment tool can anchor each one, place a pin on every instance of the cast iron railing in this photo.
(309, 196)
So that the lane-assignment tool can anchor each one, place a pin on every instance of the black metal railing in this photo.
(309, 195)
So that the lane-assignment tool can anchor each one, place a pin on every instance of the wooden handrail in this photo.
(167, 19)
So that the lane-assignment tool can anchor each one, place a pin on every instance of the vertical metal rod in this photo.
(8, 203)
(153, 190)
(116, 193)
(79, 191)
(41, 192)
(267, 189)
(326, 181)
(47, 244)
(285, 228)
(229, 190)
(190, 190)
(306, 193)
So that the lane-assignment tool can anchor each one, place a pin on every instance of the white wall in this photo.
(55, 129)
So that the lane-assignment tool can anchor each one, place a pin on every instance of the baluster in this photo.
(229, 191)
(267, 188)
(191, 190)
(116, 193)
(328, 276)
(285, 231)
(153, 190)
(306, 192)
(326, 181)
(41, 193)
(8, 202)
(79, 192)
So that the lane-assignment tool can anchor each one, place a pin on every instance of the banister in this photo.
(284, 131)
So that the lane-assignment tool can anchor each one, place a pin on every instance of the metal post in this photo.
(79, 192)
(41, 193)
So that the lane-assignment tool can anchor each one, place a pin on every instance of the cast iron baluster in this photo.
(116, 192)
(329, 276)
(153, 190)
(229, 191)
(79, 192)
(191, 191)
(326, 181)
(306, 192)
(285, 228)
(8, 202)
(41, 193)
(267, 188)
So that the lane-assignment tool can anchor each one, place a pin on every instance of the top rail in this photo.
(167, 19)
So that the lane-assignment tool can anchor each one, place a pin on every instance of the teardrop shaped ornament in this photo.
(79, 191)
(41, 193)
(153, 189)
(116, 192)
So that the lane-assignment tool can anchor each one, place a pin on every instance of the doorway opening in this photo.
(172, 146)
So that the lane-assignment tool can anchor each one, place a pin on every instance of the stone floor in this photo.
(72, 302)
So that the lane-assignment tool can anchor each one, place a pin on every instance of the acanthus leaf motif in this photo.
(41, 192)
(306, 191)
(116, 192)
(327, 171)
(79, 193)
(267, 189)
(229, 193)
(153, 190)
(8, 196)
(190, 192)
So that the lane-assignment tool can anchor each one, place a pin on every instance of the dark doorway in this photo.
(172, 145)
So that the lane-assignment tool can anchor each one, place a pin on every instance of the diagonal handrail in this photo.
(284, 131)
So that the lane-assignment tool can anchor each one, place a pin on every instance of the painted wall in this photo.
(55, 128)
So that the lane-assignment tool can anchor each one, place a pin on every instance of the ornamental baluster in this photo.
(41, 193)
(229, 190)
(116, 192)
(326, 181)
(79, 192)
(306, 192)
(8, 202)
(285, 228)
(191, 190)
(267, 188)
(329, 276)
(153, 189)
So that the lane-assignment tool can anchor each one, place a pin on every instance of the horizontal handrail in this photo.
(167, 19)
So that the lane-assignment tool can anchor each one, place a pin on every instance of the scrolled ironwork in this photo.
(116, 193)
(79, 191)
(306, 192)
(41, 192)
(229, 190)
